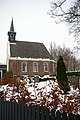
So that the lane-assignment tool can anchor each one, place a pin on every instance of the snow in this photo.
(46, 94)
(31, 59)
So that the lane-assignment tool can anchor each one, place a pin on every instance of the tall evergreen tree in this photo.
(61, 75)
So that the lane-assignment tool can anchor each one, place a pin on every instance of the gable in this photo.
(28, 50)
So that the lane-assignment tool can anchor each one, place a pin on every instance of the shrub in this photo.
(61, 75)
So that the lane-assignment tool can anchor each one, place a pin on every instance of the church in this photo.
(26, 58)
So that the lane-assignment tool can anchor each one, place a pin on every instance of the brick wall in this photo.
(15, 67)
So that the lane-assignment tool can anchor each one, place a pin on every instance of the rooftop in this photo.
(25, 49)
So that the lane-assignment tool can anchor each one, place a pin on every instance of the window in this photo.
(45, 67)
(24, 67)
(35, 67)
(53, 67)
(0, 74)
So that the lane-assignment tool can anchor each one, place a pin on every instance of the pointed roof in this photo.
(12, 26)
(25, 49)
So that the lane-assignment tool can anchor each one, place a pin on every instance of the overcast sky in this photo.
(31, 23)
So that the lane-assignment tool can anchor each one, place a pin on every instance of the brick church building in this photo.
(28, 58)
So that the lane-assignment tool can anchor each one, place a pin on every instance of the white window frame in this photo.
(53, 68)
(1, 73)
(25, 66)
(35, 69)
(45, 66)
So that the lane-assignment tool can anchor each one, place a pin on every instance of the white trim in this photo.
(36, 65)
(53, 68)
(32, 59)
(25, 66)
(79, 83)
(8, 54)
(12, 43)
(47, 67)
(1, 73)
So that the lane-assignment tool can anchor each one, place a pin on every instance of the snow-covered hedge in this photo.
(46, 94)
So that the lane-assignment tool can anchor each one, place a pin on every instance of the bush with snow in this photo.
(47, 94)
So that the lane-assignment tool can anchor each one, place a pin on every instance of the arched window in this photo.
(35, 67)
(24, 66)
(45, 67)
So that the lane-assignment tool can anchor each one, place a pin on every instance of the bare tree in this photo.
(70, 60)
(61, 11)
(53, 51)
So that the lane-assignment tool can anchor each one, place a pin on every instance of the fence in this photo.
(15, 111)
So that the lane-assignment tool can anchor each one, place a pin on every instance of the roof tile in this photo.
(25, 49)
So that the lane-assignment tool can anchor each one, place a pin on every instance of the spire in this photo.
(12, 26)
(11, 33)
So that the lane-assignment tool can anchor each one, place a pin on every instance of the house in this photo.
(28, 58)
(74, 78)
(3, 69)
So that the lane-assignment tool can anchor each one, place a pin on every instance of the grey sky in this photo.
(31, 23)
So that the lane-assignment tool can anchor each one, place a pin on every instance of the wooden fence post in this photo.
(71, 116)
(64, 116)
(77, 117)
(47, 114)
(41, 113)
(37, 112)
(26, 112)
(29, 113)
(52, 116)
(58, 115)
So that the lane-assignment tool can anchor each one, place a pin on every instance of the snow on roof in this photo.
(31, 59)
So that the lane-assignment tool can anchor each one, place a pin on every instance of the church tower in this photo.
(11, 33)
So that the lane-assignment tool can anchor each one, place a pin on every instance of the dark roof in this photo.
(3, 66)
(28, 50)
(73, 73)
